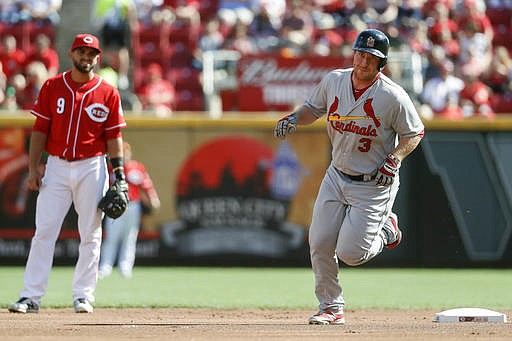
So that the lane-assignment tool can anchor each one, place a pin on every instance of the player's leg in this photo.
(129, 242)
(361, 235)
(328, 213)
(91, 181)
(53, 203)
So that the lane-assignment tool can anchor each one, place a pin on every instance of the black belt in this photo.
(353, 177)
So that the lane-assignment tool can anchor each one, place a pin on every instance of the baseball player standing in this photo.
(78, 121)
(372, 125)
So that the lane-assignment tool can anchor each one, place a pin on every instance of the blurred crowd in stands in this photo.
(153, 48)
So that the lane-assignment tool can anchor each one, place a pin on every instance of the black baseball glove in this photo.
(116, 200)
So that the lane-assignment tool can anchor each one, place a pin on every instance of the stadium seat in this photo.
(502, 104)
(21, 33)
(500, 16)
(184, 78)
(180, 56)
(35, 28)
(187, 100)
(208, 9)
(184, 34)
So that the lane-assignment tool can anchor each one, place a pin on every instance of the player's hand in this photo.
(388, 170)
(286, 125)
(34, 181)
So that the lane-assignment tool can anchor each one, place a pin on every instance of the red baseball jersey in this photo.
(78, 118)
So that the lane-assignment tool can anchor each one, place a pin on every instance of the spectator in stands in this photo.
(11, 57)
(3, 86)
(435, 58)
(46, 54)
(14, 11)
(449, 43)
(419, 41)
(15, 87)
(239, 40)
(475, 97)
(328, 40)
(149, 12)
(36, 74)
(157, 94)
(297, 28)
(472, 12)
(44, 11)
(475, 50)
(441, 94)
(265, 30)
(381, 12)
(185, 12)
(232, 11)
(441, 21)
(129, 99)
(499, 74)
(114, 21)
(210, 40)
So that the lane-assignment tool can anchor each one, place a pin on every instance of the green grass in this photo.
(279, 288)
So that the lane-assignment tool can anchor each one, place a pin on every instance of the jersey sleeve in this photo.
(40, 108)
(41, 111)
(115, 119)
(408, 122)
(317, 102)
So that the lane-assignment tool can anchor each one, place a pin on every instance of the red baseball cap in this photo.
(86, 40)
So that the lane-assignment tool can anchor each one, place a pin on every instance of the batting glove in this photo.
(286, 125)
(388, 170)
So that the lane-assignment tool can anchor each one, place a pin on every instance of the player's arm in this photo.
(288, 124)
(36, 148)
(389, 167)
(405, 146)
(115, 153)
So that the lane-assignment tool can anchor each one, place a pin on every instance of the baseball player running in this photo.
(352, 216)
(78, 121)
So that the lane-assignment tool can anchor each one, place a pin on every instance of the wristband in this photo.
(118, 167)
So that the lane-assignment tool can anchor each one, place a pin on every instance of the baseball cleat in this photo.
(393, 232)
(327, 317)
(82, 306)
(24, 305)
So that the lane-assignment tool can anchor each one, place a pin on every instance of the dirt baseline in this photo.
(208, 324)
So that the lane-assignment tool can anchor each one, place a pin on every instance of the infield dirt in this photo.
(208, 324)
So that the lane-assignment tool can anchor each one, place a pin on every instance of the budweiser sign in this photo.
(262, 72)
(278, 83)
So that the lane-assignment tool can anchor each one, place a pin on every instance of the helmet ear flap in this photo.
(382, 63)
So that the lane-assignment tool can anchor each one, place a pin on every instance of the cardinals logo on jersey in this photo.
(97, 112)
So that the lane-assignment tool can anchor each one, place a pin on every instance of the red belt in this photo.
(68, 160)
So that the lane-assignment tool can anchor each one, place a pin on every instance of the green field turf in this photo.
(279, 288)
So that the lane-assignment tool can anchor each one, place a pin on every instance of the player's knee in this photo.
(352, 257)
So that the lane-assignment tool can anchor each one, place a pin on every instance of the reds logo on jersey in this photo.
(97, 112)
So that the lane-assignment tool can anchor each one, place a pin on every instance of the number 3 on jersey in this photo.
(365, 145)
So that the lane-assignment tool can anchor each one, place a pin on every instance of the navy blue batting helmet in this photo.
(375, 42)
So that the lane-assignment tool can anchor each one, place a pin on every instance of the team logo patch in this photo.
(97, 112)
(370, 42)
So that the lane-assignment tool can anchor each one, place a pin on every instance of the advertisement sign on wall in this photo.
(276, 83)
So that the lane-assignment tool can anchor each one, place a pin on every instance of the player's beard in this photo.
(84, 68)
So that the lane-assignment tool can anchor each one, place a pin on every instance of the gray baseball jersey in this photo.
(363, 131)
(349, 216)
